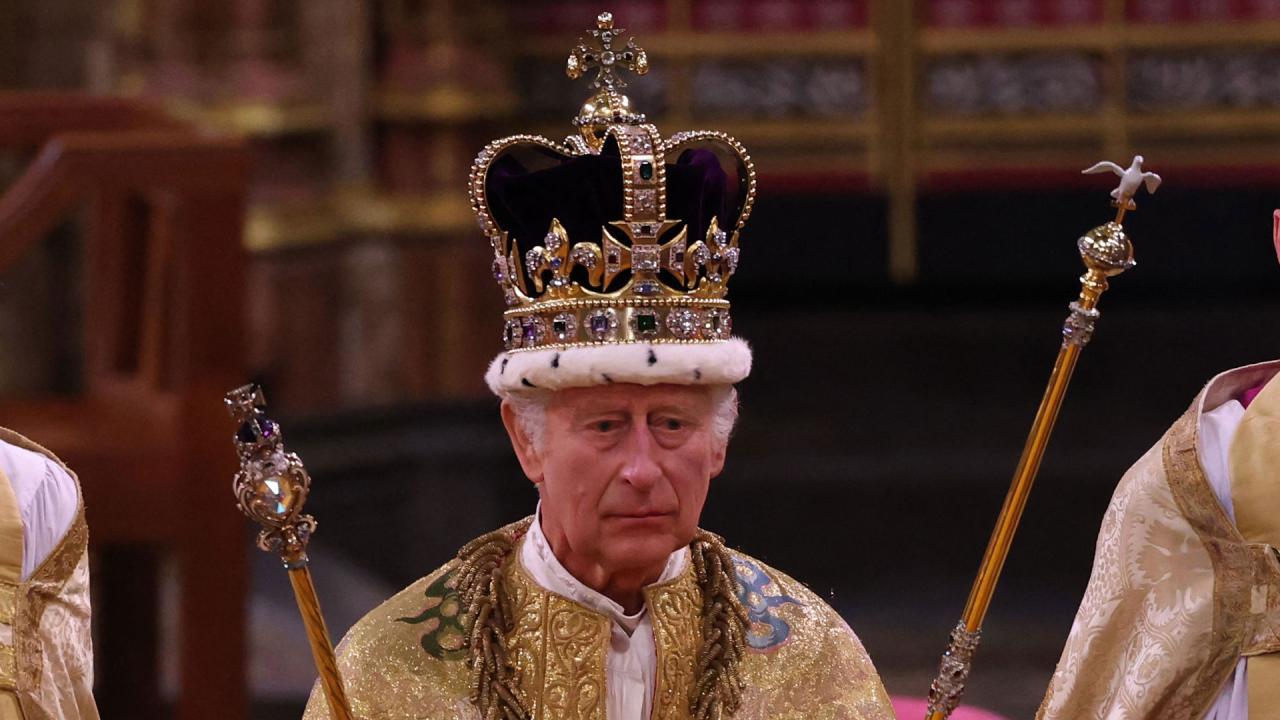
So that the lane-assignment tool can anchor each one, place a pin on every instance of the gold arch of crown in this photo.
(676, 288)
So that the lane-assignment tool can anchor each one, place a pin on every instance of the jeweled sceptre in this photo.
(1107, 252)
(271, 488)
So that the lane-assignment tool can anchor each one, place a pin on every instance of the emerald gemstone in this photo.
(646, 170)
(646, 323)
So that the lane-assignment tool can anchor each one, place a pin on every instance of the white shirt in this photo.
(633, 658)
(47, 501)
(1217, 429)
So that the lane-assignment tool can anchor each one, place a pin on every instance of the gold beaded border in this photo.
(593, 303)
(686, 137)
(480, 173)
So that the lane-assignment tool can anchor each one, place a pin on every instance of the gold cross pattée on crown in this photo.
(601, 55)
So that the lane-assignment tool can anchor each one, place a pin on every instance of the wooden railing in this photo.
(161, 340)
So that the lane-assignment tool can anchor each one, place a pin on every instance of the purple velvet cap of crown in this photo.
(585, 193)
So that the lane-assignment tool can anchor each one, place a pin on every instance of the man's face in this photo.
(623, 471)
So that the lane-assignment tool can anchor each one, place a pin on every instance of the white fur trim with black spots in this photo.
(724, 362)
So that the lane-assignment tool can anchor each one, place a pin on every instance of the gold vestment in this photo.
(405, 660)
(1177, 596)
(46, 658)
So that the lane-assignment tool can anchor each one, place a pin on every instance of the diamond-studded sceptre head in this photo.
(255, 432)
(272, 485)
(617, 234)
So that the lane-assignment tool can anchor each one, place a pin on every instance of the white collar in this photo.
(547, 570)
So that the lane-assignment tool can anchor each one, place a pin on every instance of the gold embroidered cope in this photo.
(559, 648)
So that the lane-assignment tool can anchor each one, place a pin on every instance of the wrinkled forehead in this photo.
(632, 397)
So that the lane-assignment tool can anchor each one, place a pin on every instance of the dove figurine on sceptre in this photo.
(1130, 179)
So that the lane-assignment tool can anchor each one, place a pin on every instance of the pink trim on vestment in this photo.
(1247, 396)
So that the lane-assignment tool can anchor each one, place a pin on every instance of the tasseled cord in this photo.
(718, 690)
(488, 620)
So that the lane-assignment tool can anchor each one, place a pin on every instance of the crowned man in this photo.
(1181, 618)
(46, 652)
(617, 387)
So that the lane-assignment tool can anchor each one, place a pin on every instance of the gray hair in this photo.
(531, 413)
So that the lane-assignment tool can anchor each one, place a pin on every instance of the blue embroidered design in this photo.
(767, 630)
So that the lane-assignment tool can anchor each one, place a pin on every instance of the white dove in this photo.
(1130, 179)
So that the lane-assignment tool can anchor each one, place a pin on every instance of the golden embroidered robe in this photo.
(46, 655)
(406, 660)
(1178, 594)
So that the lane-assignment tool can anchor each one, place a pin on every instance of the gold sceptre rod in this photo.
(1106, 252)
(271, 488)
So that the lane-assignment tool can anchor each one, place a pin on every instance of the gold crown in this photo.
(642, 278)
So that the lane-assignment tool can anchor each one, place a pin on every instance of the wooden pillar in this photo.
(337, 46)
(895, 23)
(213, 555)
(1115, 91)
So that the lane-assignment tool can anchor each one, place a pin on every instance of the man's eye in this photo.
(672, 424)
(605, 426)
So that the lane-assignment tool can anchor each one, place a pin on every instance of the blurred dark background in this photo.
(904, 280)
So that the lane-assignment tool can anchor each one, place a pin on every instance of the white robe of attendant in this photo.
(47, 499)
(46, 649)
(633, 656)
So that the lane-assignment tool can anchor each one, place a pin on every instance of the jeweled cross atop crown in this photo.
(602, 56)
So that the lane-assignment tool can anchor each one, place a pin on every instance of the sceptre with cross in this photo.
(271, 489)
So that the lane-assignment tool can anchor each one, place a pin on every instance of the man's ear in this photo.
(719, 452)
(526, 453)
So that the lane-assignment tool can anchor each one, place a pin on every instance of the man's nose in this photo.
(641, 470)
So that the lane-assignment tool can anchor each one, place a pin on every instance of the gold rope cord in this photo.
(718, 691)
(487, 620)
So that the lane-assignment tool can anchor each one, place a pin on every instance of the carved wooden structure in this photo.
(162, 340)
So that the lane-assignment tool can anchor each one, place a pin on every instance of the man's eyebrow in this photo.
(675, 406)
(595, 409)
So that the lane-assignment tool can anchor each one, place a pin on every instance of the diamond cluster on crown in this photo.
(642, 279)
